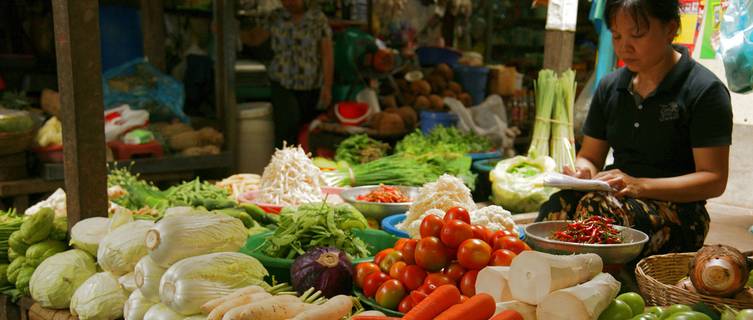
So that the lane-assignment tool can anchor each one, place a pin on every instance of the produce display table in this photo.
(8, 309)
(19, 190)
(27, 309)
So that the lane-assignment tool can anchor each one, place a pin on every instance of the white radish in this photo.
(335, 308)
(372, 313)
(219, 312)
(275, 308)
(582, 302)
(533, 275)
(493, 281)
(214, 303)
(526, 310)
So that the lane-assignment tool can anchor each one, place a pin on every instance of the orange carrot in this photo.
(478, 307)
(373, 318)
(508, 315)
(438, 301)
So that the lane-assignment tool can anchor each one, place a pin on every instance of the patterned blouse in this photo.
(297, 62)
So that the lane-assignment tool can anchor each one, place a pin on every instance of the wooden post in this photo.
(153, 27)
(224, 73)
(558, 50)
(79, 69)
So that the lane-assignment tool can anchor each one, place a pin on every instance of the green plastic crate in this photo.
(376, 240)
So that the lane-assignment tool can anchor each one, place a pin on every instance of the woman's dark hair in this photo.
(663, 10)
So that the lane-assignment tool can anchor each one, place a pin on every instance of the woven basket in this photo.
(15, 142)
(657, 276)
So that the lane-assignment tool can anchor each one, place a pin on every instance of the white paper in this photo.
(562, 181)
(562, 15)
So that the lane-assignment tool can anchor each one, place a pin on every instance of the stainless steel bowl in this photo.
(376, 210)
(538, 237)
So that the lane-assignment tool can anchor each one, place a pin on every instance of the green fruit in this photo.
(688, 315)
(750, 276)
(617, 310)
(646, 316)
(659, 311)
(746, 314)
(634, 300)
(675, 308)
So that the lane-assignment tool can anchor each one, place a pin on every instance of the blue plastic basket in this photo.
(430, 119)
(432, 56)
(485, 155)
(474, 80)
(389, 225)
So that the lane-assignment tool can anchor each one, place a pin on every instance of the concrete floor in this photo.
(730, 225)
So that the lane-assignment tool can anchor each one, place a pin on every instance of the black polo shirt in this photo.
(654, 137)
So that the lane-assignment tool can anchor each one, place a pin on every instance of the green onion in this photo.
(546, 90)
(563, 136)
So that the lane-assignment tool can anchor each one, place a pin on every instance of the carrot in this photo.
(373, 318)
(508, 315)
(335, 308)
(438, 301)
(478, 307)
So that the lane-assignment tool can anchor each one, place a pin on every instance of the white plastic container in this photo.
(256, 136)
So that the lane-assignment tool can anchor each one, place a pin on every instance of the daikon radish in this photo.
(335, 308)
(275, 308)
(534, 274)
(493, 281)
(582, 302)
(526, 310)
(214, 303)
(219, 312)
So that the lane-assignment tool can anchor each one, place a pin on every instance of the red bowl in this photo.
(352, 113)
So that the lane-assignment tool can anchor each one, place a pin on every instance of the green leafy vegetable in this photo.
(517, 185)
(317, 225)
(443, 139)
(360, 148)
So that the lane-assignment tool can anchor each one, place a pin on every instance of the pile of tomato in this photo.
(450, 251)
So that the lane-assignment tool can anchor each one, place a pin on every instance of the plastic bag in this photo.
(143, 87)
(488, 119)
(121, 119)
(736, 45)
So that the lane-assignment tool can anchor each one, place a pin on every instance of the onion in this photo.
(326, 269)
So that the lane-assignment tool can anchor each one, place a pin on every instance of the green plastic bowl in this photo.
(376, 240)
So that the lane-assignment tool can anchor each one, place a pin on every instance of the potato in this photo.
(389, 102)
(466, 99)
(390, 124)
(449, 94)
(423, 102)
(437, 103)
(409, 99)
(438, 83)
(446, 71)
(455, 87)
(409, 115)
(421, 87)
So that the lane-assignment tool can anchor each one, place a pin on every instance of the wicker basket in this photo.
(15, 142)
(657, 276)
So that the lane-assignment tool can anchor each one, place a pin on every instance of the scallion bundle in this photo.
(563, 136)
(546, 90)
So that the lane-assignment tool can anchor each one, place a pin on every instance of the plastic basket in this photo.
(430, 119)
(431, 56)
(474, 80)
(279, 268)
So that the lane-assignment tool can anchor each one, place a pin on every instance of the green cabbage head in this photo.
(37, 227)
(99, 298)
(14, 268)
(43, 250)
(58, 277)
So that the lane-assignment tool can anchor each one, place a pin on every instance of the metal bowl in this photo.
(376, 210)
(537, 236)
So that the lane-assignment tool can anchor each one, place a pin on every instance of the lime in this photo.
(746, 314)
(658, 311)
(617, 310)
(688, 315)
(634, 300)
(675, 308)
(646, 316)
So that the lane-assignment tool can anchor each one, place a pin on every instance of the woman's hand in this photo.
(582, 173)
(625, 185)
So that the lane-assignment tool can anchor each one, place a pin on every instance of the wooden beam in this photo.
(558, 50)
(153, 28)
(224, 73)
(79, 69)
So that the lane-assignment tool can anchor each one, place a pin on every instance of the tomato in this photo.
(617, 310)
(457, 213)
(379, 256)
(406, 304)
(468, 283)
(372, 283)
(502, 258)
(363, 270)
(397, 269)
(474, 254)
(400, 243)
(455, 271)
(431, 254)
(479, 232)
(463, 298)
(390, 293)
(499, 234)
(634, 300)
(390, 259)
(509, 315)
(409, 251)
(413, 277)
(452, 252)
(417, 296)
(455, 232)
(431, 226)
(511, 243)
(435, 280)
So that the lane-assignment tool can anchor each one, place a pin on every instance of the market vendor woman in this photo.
(668, 120)
(302, 68)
